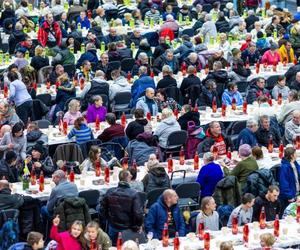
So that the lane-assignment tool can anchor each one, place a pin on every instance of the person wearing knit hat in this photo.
(39, 161)
(245, 167)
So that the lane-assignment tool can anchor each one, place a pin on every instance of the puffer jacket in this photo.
(140, 151)
(139, 86)
(227, 192)
(254, 91)
(259, 181)
(71, 209)
(156, 178)
(122, 208)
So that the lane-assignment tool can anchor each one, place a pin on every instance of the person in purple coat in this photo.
(209, 175)
(96, 109)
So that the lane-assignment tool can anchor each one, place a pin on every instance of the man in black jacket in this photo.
(168, 80)
(8, 200)
(122, 207)
(296, 83)
(270, 202)
(188, 115)
(167, 58)
(188, 82)
(8, 169)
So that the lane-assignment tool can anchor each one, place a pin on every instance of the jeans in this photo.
(24, 111)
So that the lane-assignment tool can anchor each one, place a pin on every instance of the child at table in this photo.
(95, 237)
(96, 109)
(34, 241)
(72, 239)
(81, 131)
(267, 241)
(73, 112)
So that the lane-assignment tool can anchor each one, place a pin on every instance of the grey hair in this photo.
(208, 17)
(251, 122)
(60, 174)
(263, 117)
(208, 156)
(142, 70)
(167, 69)
(142, 55)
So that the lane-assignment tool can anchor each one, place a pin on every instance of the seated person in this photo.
(209, 92)
(89, 164)
(7, 199)
(147, 102)
(187, 114)
(247, 135)
(291, 209)
(238, 65)
(81, 131)
(167, 125)
(263, 160)
(73, 112)
(8, 167)
(232, 93)
(114, 130)
(96, 110)
(134, 183)
(38, 160)
(267, 240)
(281, 88)
(208, 214)
(138, 126)
(168, 80)
(34, 241)
(244, 211)
(8, 114)
(34, 134)
(209, 175)
(292, 128)
(257, 89)
(164, 101)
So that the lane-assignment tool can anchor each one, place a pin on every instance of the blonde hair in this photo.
(166, 113)
(130, 245)
(73, 104)
(268, 239)
(226, 245)
(39, 50)
(63, 78)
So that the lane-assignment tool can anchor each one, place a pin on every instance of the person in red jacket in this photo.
(49, 34)
(72, 239)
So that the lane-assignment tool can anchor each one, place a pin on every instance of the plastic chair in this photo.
(175, 140)
(189, 32)
(91, 198)
(174, 93)
(43, 123)
(85, 146)
(153, 196)
(111, 14)
(275, 171)
(188, 194)
(242, 86)
(236, 127)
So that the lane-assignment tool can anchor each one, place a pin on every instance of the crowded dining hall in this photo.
(149, 124)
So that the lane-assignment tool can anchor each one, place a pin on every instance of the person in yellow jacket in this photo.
(286, 52)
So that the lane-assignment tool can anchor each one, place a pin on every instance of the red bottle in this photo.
(279, 99)
(270, 102)
(196, 108)
(245, 105)
(297, 142)
(276, 226)
(176, 241)
(81, 83)
(89, 14)
(201, 229)
(215, 152)
(270, 144)
(206, 69)
(233, 104)
(119, 241)
(72, 175)
(165, 236)
(206, 241)
(298, 214)
(125, 163)
(129, 76)
(284, 62)
(181, 156)
(148, 116)
(281, 148)
(98, 168)
(246, 233)
(32, 177)
(229, 153)
(107, 174)
(295, 61)
(61, 125)
(123, 120)
(97, 123)
(170, 164)
(196, 161)
(262, 218)
(183, 68)
(42, 182)
(93, 245)
(257, 67)
(34, 86)
(274, 67)
(234, 224)
(176, 112)
(65, 128)
(152, 74)
(223, 109)
(57, 84)
(5, 91)
(214, 105)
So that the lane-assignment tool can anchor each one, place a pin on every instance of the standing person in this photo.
(49, 33)
(165, 210)
(19, 95)
(289, 177)
(208, 214)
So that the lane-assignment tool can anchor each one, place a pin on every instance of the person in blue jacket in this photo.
(165, 210)
(83, 20)
(247, 135)
(289, 177)
(230, 93)
(140, 85)
(90, 55)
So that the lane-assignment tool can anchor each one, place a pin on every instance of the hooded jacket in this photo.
(9, 173)
(228, 96)
(158, 216)
(44, 30)
(16, 37)
(90, 55)
(38, 62)
(189, 116)
(9, 200)
(264, 135)
(139, 86)
(146, 49)
(254, 91)
(119, 85)
(184, 50)
(165, 128)
(135, 128)
(239, 69)
(156, 178)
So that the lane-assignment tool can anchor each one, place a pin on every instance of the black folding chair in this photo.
(121, 102)
(275, 171)
(153, 196)
(85, 146)
(189, 32)
(174, 93)
(111, 14)
(70, 69)
(189, 194)
(127, 64)
(45, 98)
(92, 199)
(242, 86)
(236, 127)
(271, 82)
(175, 140)
(207, 7)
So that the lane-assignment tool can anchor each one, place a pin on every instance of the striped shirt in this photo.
(82, 135)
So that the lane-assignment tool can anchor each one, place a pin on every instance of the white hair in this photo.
(169, 17)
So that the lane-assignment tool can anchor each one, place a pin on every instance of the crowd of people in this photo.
(166, 60)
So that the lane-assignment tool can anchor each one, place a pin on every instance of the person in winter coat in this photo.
(69, 239)
(49, 33)
(8, 115)
(15, 37)
(292, 128)
(285, 114)
(168, 80)
(166, 207)
(144, 47)
(208, 29)
(209, 92)
(63, 56)
(39, 60)
(161, 48)
(251, 55)
(166, 59)
(189, 81)
(140, 85)
(147, 102)
(138, 126)
(142, 60)
(238, 65)
(135, 37)
(281, 88)
(167, 125)
(185, 49)
(7, 199)
(113, 131)
(257, 89)
(170, 23)
(215, 138)
(247, 135)
(141, 148)
(8, 168)
(289, 177)
(121, 207)
(188, 115)
(232, 93)
(83, 21)
(90, 55)
(209, 175)
(34, 134)
(96, 110)
(120, 84)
